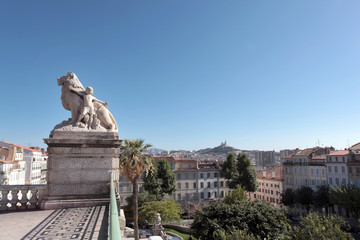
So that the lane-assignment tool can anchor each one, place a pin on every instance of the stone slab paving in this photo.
(72, 223)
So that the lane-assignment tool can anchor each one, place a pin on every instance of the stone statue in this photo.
(71, 101)
(86, 111)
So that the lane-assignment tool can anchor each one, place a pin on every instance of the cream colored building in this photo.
(270, 186)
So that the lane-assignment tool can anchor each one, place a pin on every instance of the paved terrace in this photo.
(71, 223)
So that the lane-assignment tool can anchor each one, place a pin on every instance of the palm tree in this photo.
(133, 163)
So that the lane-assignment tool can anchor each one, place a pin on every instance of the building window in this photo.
(222, 193)
(208, 184)
(194, 185)
(350, 170)
(317, 171)
(337, 181)
(216, 174)
(208, 175)
(215, 194)
(186, 185)
(209, 195)
(186, 176)
(202, 195)
(201, 175)
(312, 171)
(179, 185)
(329, 168)
(221, 184)
(343, 159)
(201, 185)
(336, 169)
(330, 180)
(187, 196)
(323, 172)
(178, 176)
(179, 196)
(194, 175)
(343, 169)
(215, 184)
(336, 158)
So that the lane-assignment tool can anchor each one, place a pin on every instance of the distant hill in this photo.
(222, 149)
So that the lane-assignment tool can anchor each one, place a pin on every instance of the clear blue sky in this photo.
(187, 74)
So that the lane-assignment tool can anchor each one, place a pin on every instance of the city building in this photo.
(32, 158)
(337, 168)
(194, 181)
(270, 186)
(306, 168)
(354, 165)
(12, 166)
(265, 158)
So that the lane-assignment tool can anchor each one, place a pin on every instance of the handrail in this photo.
(114, 225)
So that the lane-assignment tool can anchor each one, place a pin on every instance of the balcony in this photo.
(21, 217)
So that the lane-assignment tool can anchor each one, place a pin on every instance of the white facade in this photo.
(337, 171)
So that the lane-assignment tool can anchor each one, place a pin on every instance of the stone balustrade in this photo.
(21, 197)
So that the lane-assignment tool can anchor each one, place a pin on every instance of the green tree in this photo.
(315, 227)
(235, 195)
(234, 235)
(160, 180)
(229, 169)
(151, 182)
(255, 217)
(169, 211)
(133, 163)
(322, 198)
(240, 172)
(143, 198)
(347, 197)
(288, 197)
(304, 196)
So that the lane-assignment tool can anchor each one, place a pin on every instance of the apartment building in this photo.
(354, 165)
(306, 168)
(12, 166)
(337, 169)
(33, 158)
(271, 185)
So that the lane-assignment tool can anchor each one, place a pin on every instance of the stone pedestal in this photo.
(79, 168)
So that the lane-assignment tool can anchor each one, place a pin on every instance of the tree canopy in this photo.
(240, 172)
(160, 180)
(235, 195)
(347, 197)
(318, 227)
(288, 197)
(255, 217)
(169, 211)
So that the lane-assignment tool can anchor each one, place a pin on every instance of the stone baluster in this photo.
(28, 197)
(33, 199)
(21, 204)
(12, 199)
(3, 200)
(40, 196)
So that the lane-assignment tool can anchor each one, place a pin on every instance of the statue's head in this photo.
(89, 90)
(71, 78)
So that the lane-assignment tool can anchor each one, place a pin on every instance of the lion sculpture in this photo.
(72, 95)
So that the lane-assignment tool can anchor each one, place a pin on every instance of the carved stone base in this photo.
(79, 168)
